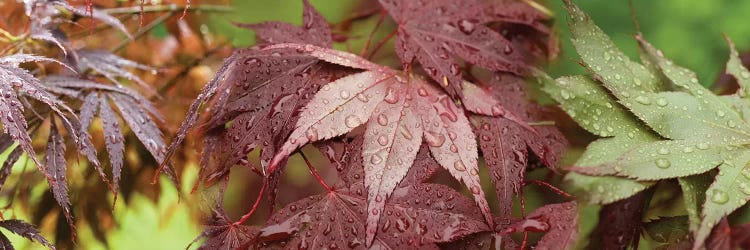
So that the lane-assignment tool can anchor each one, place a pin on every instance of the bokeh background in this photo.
(163, 217)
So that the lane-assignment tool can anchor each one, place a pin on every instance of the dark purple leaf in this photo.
(8, 164)
(114, 141)
(315, 30)
(505, 142)
(55, 169)
(433, 32)
(26, 230)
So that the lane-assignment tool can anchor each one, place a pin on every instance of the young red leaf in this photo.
(432, 32)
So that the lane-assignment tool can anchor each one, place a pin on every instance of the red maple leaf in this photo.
(506, 139)
(433, 32)
(399, 111)
(418, 214)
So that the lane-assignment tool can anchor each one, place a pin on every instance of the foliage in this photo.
(55, 89)
(386, 130)
(658, 123)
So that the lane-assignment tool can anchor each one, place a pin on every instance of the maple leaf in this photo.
(416, 215)
(24, 229)
(221, 232)
(55, 167)
(10, 160)
(620, 223)
(432, 32)
(697, 130)
(669, 232)
(111, 66)
(506, 155)
(136, 111)
(260, 93)
(12, 79)
(398, 111)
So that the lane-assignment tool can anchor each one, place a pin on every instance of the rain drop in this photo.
(311, 134)
(344, 94)
(459, 166)
(719, 196)
(663, 163)
(352, 121)
(643, 100)
(662, 102)
(375, 159)
(467, 26)
(434, 139)
(382, 120)
(382, 140)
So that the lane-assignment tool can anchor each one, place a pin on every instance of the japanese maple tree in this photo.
(457, 95)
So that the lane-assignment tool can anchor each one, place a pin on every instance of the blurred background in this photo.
(189, 50)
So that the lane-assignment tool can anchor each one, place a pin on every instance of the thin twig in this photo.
(171, 83)
(633, 16)
(168, 7)
(143, 31)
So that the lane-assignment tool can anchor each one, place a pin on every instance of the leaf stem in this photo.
(315, 172)
(168, 7)
(372, 33)
(245, 217)
(381, 43)
(549, 186)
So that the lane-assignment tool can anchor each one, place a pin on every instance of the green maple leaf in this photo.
(658, 122)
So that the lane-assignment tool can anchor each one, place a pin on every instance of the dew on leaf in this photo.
(719, 196)
(663, 163)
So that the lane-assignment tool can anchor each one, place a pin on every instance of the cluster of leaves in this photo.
(65, 102)
(658, 124)
(387, 131)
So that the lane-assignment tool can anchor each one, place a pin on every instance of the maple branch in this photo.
(171, 83)
(372, 33)
(315, 172)
(381, 43)
(143, 31)
(255, 205)
(168, 7)
(549, 186)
